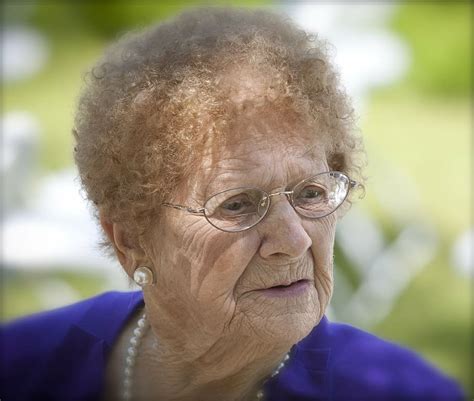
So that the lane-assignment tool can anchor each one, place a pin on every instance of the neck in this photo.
(231, 370)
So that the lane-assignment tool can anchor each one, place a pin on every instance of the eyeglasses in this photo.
(240, 209)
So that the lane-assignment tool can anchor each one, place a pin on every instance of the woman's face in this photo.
(213, 285)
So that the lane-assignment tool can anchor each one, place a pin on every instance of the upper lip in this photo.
(281, 273)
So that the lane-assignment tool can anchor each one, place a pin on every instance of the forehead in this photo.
(264, 150)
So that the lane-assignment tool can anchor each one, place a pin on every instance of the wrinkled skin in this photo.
(213, 335)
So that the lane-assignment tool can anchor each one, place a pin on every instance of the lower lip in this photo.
(292, 290)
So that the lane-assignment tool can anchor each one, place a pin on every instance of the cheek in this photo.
(322, 233)
(207, 261)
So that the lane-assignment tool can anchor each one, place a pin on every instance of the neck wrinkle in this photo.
(162, 375)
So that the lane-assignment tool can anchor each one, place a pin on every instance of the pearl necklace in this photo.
(131, 358)
(132, 353)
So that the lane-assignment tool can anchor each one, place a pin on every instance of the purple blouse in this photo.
(61, 355)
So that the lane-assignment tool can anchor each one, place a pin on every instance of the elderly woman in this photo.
(219, 152)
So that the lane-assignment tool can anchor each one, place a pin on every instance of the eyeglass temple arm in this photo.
(185, 208)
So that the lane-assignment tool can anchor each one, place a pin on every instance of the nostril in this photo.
(279, 255)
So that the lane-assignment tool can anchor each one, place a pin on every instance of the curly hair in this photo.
(157, 96)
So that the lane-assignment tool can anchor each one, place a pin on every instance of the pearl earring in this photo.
(143, 276)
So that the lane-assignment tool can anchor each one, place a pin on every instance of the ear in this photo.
(128, 253)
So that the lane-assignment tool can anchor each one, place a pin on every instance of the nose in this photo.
(282, 232)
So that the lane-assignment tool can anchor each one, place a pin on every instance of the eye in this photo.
(235, 205)
(311, 193)
(238, 205)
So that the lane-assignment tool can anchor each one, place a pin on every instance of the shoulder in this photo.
(45, 343)
(36, 332)
(363, 366)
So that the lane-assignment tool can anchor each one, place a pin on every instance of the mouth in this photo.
(287, 290)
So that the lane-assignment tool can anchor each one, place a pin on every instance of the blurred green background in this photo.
(421, 124)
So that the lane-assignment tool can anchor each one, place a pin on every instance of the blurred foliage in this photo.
(26, 292)
(434, 320)
(106, 18)
(439, 35)
(426, 138)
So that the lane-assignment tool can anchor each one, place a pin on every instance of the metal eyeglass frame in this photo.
(289, 195)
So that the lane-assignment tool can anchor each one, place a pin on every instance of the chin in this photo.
(284, 321)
